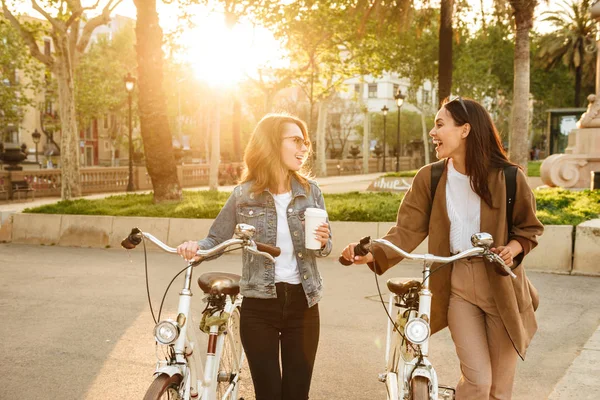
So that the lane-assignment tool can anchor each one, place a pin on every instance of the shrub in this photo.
(554, 206)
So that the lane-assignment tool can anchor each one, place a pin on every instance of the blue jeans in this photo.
(286, 320)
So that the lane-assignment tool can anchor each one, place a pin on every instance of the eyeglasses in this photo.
(298, 141)
(460, 100)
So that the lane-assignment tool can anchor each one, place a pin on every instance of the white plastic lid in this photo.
(315, 212)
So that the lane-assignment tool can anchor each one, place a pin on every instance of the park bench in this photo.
(19, 187)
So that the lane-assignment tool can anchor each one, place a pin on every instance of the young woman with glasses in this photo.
(280, 306)
(490, 315)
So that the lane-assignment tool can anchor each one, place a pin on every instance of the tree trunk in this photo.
(578, 73)
(445, 50)
(236, 129)
(158, 145)
(425, 137)
(215, 154)
(69, 138)
(321, 122)
(366, 148)
(519, 148)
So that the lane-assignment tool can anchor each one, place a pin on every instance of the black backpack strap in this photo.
(510, 177)
(437, 169)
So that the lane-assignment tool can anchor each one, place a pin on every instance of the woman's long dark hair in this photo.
(484, 148)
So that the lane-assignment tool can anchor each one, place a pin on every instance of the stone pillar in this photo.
(582, 156)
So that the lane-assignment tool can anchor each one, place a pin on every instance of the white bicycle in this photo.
(409, 374)
(179, 373)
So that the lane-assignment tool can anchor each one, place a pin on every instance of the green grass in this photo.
(554, 206)
(533, 169)
(565, 207)
(205, 204)
(402, 174)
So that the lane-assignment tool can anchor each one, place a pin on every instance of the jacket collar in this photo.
(297, 188)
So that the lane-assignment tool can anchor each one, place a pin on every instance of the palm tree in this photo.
(445, 50)
(523, 13)
(572, 42)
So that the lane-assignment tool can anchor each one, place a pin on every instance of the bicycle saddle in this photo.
(219, 283)
(401, 286)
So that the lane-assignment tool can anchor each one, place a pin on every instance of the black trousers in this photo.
(267, 324)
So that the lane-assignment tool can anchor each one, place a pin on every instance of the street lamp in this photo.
(399, 101)
(36, 136)
(384, 110)
(129, 84)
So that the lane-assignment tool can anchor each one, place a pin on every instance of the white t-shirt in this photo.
(286, 267)
(464, 209)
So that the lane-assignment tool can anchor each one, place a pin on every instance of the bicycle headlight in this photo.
(166, 332)
(417, 330)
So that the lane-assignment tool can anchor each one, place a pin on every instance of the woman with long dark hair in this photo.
(280, 306)
(490, 315)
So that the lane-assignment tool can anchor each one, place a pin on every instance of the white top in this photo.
(286, 267)
(464, 210)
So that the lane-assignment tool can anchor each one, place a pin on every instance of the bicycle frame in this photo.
(198, 381)
(201, 381)
(399, 371)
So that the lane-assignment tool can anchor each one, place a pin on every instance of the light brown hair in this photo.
(262, 157)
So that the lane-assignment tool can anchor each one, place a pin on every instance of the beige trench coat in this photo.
(516, 299)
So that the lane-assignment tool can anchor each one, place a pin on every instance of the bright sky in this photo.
(219, 55)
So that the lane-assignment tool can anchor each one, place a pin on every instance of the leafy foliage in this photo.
(19, 75)
(554, 206)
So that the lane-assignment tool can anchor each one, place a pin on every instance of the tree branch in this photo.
(27, 37)
(95, 22)
(56, 24)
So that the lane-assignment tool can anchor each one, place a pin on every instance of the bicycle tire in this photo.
(164, 387)
(231, 361)
(419, 388)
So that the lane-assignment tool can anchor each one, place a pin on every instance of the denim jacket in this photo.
(258, 273)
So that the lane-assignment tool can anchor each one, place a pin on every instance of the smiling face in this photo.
(450, 140)
(293, 147)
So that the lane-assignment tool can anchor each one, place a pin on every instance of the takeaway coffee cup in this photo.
(313, 218)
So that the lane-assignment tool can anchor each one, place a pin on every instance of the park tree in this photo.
(99, 87)
(572, 43)
(19, 75)
(156, 133)
(70, 31)
(445, 50)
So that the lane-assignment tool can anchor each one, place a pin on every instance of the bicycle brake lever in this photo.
(254, 250)
(493, 257)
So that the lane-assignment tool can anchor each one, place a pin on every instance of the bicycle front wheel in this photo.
(164, 387)
(419, 388)
(231, 364)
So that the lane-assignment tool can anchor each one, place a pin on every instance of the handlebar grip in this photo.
(361, 249)
(267, 248)
(132, 240)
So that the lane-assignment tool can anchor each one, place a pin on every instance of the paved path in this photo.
(77, 326)
(54, 302)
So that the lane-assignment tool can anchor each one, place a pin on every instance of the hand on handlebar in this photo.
(188, 250)
(348, 254)
(505, 254)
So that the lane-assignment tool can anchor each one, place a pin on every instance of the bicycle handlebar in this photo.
(364, 247)
(135, 238)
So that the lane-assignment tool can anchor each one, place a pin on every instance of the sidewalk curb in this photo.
(581, 379)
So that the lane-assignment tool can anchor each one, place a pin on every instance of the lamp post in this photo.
(129, 84)
(399, 101)
(36, 136)
(384, 110)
